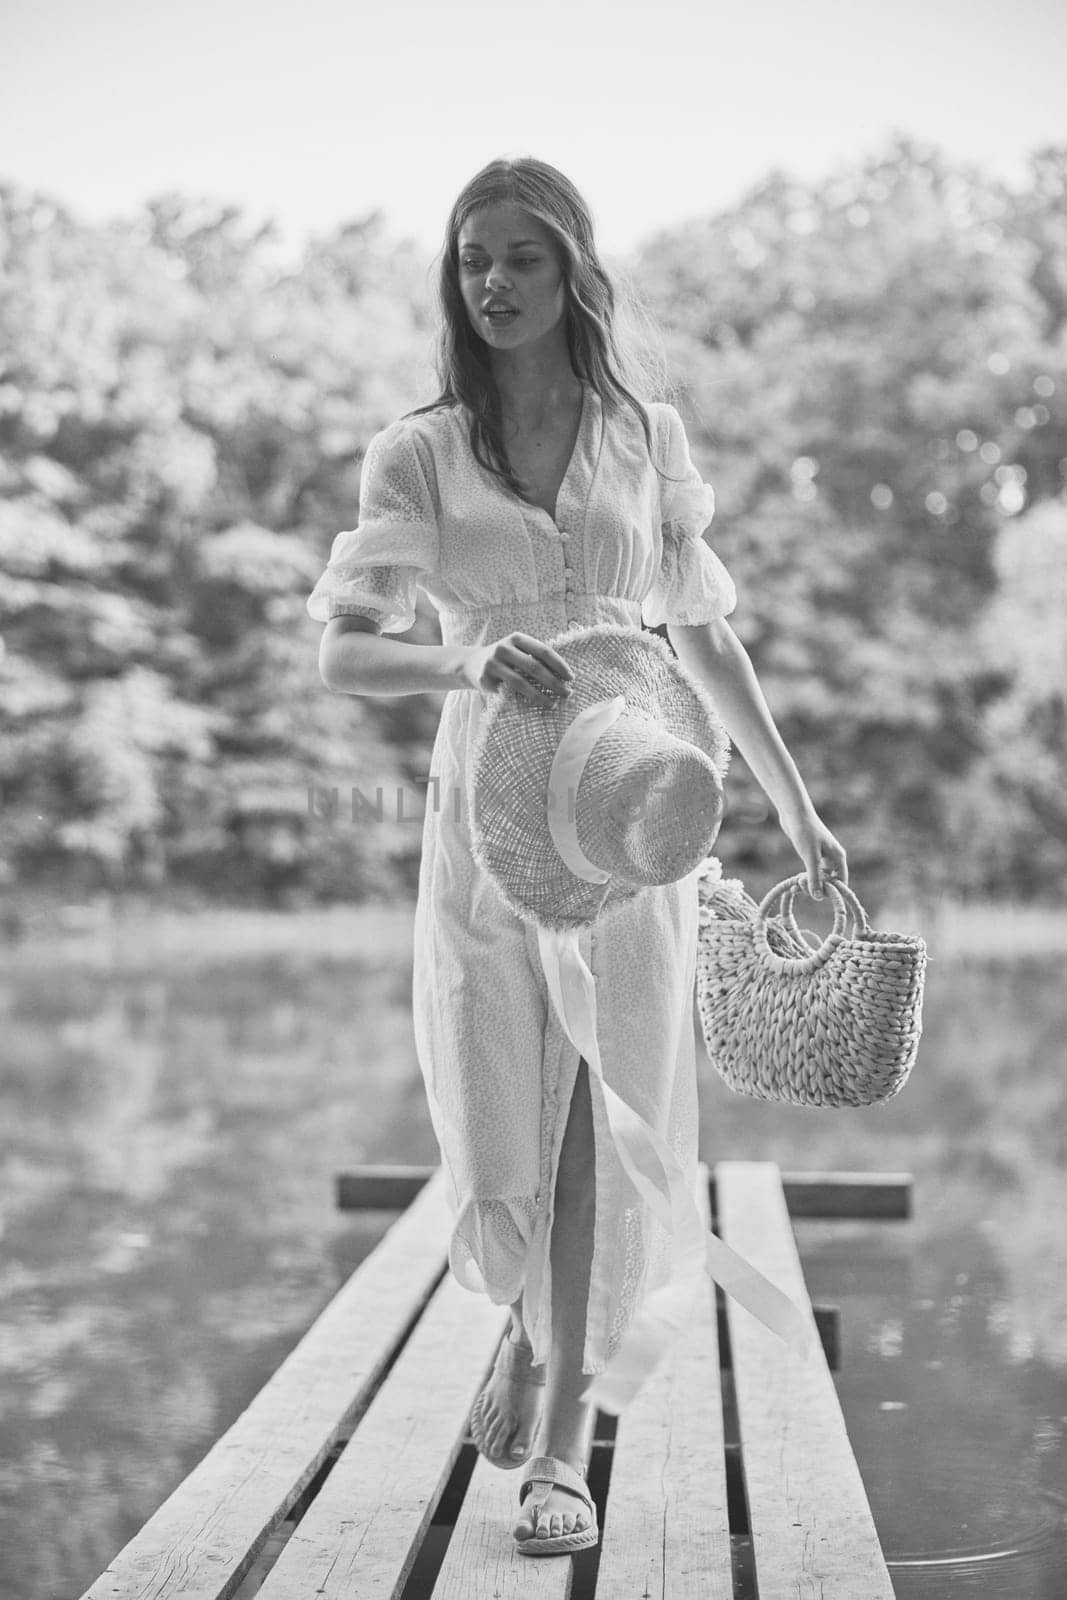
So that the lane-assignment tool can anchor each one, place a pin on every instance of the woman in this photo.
(536, 494)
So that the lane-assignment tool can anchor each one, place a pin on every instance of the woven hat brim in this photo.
(617, 659)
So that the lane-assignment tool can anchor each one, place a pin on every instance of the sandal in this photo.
(548, 1473)
(512, 1361)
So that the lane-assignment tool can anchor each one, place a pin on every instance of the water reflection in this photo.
(171, 1134)
(169, 1150)
(959, 1437)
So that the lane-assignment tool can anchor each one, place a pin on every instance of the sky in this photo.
(317, 113)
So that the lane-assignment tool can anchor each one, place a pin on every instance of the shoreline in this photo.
(128, 936)
(131, 932)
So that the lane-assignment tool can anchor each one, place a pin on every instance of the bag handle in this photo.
(804, 938)
(844, 902)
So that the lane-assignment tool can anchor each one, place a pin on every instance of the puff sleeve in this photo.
(691, 585)
(374, 568)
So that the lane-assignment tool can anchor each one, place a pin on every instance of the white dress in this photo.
(624, 547)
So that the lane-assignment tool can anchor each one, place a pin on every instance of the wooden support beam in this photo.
(885, 1195)
(827, 1321)
(384, 1188)
(851, 1195)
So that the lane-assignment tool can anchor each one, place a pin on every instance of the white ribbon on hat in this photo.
(565, 774)
(651, 1165)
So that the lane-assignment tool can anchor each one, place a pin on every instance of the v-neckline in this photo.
(579, 438)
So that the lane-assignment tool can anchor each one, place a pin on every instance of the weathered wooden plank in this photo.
(808, 1194)
(666, 1533)
(203, 1539)
(812, 1530)
(363, 1531)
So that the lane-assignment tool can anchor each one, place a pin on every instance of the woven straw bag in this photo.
(789, 1016)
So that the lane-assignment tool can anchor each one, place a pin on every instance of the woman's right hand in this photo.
(526, 666)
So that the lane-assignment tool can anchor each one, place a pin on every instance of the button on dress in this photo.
(624, 547)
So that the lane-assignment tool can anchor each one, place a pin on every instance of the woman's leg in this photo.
(566, 1422)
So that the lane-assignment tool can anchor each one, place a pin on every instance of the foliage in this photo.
(876, 369)
(182, 429)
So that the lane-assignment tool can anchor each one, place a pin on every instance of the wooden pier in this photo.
(351, 1475)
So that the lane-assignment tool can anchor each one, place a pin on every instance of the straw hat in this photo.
(581, 803)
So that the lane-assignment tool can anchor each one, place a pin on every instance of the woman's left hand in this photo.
(816, 846)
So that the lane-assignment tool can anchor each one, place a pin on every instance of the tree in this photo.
(182, 425)
(866, 362)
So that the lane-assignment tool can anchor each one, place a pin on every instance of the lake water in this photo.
(175, 1106)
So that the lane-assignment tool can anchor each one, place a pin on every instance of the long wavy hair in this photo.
(611, 364)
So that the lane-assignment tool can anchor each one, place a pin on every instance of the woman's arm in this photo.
(354, 658)
(715, 656)
(369, 664)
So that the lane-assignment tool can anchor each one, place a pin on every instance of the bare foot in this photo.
(508, 1415)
